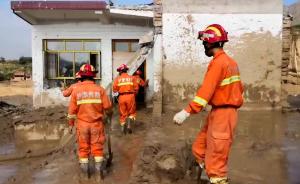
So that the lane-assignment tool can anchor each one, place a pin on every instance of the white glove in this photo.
(115, 94)
(180, 117)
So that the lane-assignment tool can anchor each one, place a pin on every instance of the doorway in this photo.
(141, 96)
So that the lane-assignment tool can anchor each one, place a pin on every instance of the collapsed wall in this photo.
(255, 43)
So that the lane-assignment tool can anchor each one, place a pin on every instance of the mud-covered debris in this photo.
(292, 134)
(55, 114)
(261, 146)
(8, 109)
(149, 153)
(12, 179)
(168, 168)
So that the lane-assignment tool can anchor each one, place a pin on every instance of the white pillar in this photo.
(106, 62)
(37, 68)
(157, 78)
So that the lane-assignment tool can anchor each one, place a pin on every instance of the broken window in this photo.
(63, 58)
(66, 65)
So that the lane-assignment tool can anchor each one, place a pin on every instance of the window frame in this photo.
(130, 43)
(58, 52)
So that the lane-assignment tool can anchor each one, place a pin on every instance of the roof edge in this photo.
(58, 5)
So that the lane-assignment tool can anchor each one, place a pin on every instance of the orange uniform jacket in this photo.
(87, 103)
(221, 86)
(67, 92)
(140, 81)
(125, 84)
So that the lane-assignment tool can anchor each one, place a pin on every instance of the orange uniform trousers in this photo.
(90, 138)
(213, 142)
(127, 107)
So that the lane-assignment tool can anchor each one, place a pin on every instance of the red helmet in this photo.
(122, 67)
(138, 72)
(77, 75)
(213, 33)
(87, 70)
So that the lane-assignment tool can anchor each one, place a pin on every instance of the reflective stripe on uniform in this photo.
(217, 179)
(230, 80)
(125, 84)
(89, 101)
(200, 101)
(98, 159)
(131, 117)
(71, 116)
(83, 160)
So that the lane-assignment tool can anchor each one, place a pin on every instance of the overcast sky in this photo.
(15, 34)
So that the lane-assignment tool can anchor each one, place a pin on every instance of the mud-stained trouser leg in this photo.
(199, 145)
(83, 139)
(123, 109)
(97, 140)
(131, 105)
(221, 125)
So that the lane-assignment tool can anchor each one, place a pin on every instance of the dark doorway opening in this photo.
(141, 96)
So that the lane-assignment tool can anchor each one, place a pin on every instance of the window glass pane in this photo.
(66, 65)
(94, 58)
(74, 45)
(122, 46)
(134, 46)
(92, 46)
(55, 45)
(80, 59)
(52, 62)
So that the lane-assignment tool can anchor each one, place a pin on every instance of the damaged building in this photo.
(254, 29)
(291, 59)
(69, 33)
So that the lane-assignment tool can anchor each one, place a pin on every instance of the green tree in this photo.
(2, 60)
(25, 60)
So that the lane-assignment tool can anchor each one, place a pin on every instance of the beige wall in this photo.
(255, 43)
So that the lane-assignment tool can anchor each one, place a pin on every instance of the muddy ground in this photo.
(266, 149)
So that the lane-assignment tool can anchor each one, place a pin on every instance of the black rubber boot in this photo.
(124, 128)
(130, 122)
(84, 167)
(99, 171)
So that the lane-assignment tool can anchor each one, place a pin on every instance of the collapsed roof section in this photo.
(45, 12)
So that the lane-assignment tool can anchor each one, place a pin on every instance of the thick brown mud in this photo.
(265, 150)
(40, 131)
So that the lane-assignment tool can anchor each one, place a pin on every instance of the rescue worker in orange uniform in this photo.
(222, 89)
(88, 105)
(126, 87)
(141, 86)
(139, 80)
(67, 92)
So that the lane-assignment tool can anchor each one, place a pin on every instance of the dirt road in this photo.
(16, 92)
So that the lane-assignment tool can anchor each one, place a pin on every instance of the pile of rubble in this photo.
(9, 109)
